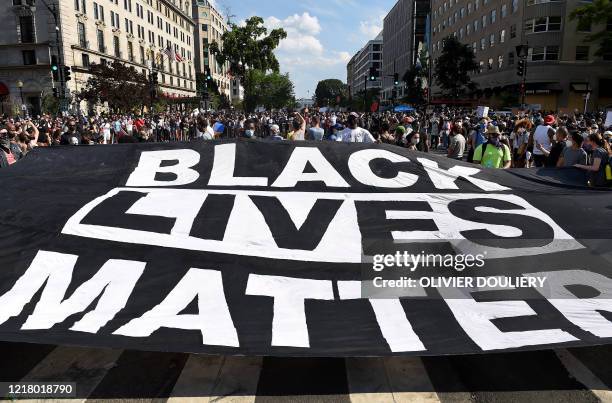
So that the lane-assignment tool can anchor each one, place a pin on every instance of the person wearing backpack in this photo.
(493, 153)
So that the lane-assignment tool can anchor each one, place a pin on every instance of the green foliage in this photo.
(453, 67)
(123, 87)
(416, 80)
(50, 104)
(328, 91)
(357, 102)
(597, 12)
(273, 90)
(249, 46)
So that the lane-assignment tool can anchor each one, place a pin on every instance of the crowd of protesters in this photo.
(500, 141)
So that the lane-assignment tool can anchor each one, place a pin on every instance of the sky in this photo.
(322, 35)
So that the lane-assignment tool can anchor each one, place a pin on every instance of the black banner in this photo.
(297, 249)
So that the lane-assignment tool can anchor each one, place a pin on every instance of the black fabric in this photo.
(292, 233)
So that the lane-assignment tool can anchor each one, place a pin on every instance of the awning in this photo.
(4, 90)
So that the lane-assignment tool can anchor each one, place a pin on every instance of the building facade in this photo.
(210, 27)
(561, 65)
(358, 68)
(405, 26)
(134, 32)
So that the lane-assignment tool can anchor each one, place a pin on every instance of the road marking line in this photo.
(84, 366)
(584, 375)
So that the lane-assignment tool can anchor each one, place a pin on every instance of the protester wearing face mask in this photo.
(413, 141)
(493, 154)
(573, 153)
(249, 132)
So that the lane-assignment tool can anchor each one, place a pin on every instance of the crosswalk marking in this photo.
(197, 379)
(84, 366)
(218, 379)
(103, 375)
(409, 380)
(584, 375)
(367, 380)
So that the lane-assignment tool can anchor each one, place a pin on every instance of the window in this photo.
(130, 49)
(532, 2)
(500, 62)
(469, 8)
(85, 60)
(512, 31)
(484, 21)
(476, 25)
(205, 27)
(504, 11)
(81, 35)
(510, 58)
(502, 36)
(490, 64)
(515, 5)
(462, 12)
(582, 53)
(493, 16)
(80, 5)
(100, 37)
(483, 44)
(480, 66)
(116, 46)
(492, 40)
(29, 57)
(468, 29)
(543, 24)
(542, 53)
(26, 29)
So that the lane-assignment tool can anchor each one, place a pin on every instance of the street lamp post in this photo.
(20, 86)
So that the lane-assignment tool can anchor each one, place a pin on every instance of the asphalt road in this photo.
(576, 375)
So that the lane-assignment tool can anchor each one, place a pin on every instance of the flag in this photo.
(170, 53)
(178, 57)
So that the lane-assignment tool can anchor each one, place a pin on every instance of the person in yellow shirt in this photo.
(493, 153)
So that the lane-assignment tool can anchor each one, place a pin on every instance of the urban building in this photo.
(210, 27)
(358, 68)
(405, 27)
(135, 32)
(561, 66)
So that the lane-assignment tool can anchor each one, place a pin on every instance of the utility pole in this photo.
(521, 71)
(60, 57)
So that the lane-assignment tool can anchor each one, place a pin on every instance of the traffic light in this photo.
(372, 74)
(55, 93)
(67, 74)
(395, 79)
(208, 75)
(54, 68)
(520, 68)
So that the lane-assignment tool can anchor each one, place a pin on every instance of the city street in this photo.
(575, 375)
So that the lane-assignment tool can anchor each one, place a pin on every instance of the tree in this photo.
(273, 90)
(417, 80)
(597, 12)
(123, 87)
(248, 46)
(328, 91)
(453, 67)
